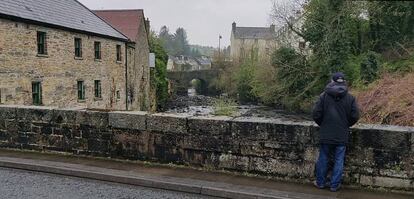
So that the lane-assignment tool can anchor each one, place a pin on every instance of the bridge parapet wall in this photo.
(378, 156)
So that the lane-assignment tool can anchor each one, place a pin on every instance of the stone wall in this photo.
(378, 156)
(59, 71)
(138, 75)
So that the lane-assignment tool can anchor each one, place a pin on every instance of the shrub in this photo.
(224, 107)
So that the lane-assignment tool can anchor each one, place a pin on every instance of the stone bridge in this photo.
(180, 81)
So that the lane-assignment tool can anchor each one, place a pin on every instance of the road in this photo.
(19, 184)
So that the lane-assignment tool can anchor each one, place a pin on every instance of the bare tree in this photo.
(285, 13)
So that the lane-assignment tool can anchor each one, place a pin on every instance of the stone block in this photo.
(93, 118)
(242, 128)
(205, 143)
(396, 172)
(62, 116)
(128, 120)
(234, 162)
(386, 182)
(209, 125)
(311, 154)
(34, 114)
(290, 132)
(7, 113)
(167, 123)
(384, 139)
(282, 168)
(361, 156)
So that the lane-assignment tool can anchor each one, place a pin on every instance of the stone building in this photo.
(259, 42)
(132, 23)
(188, 63)
(251, 42)
(59, 53)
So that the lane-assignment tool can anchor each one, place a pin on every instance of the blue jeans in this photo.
(338, 153)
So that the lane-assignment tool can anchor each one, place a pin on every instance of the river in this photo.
(198, 105)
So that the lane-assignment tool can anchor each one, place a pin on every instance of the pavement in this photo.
(176, 178)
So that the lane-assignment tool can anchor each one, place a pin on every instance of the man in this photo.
(335, 111)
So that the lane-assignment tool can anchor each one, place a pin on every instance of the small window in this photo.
(118, 53)
(98, 89)
(97, 50)
(118, 95)
(37, 93)
(41, 43)
(81, 90)
(302, 45)
(78, 47)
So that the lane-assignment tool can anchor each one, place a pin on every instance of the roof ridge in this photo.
(117, 10)
(101, 18)
(252, 27)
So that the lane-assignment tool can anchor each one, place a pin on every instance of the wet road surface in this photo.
(19, 184)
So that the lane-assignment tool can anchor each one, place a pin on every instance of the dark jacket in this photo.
(335, 111)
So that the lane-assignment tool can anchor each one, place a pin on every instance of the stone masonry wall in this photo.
(59, 71)
(138, 75)
(378, 156)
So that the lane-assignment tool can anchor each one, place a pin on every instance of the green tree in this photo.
(159, 75)
(287, 82)
(181, 45)
(244, 78)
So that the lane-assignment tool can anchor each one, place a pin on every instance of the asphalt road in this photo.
(18, 184)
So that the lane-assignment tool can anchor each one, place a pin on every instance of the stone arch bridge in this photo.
(180, 81)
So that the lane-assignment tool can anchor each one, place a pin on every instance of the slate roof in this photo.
(69, 14)
(126, 21)
(253, 33)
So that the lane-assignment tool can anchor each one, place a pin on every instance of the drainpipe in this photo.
(126, 75)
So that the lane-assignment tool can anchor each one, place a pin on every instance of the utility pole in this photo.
(219, 47)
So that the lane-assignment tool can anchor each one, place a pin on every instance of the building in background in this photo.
(133, 24)
(287, 37)
(252, 42)
(59, 53)
(188, 63)
(258, 43)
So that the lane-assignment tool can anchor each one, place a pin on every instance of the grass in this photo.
(225, 107)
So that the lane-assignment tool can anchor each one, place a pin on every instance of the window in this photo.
(81, 90)
(302, 45)
(118, 53)
(98, 89)
(118, 95)
(97, 50)
(78, 47)
(37, 93)
(41, 43)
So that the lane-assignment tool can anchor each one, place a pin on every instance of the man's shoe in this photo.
(335, 189)
(317, 186)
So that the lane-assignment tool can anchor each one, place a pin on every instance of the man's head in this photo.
(338, 77)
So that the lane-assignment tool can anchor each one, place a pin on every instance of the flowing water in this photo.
(198, 105)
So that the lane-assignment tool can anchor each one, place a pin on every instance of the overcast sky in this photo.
(204, 20)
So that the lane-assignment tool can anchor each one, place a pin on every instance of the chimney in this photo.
(273, 28)
(233, 26)
(147, 25)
